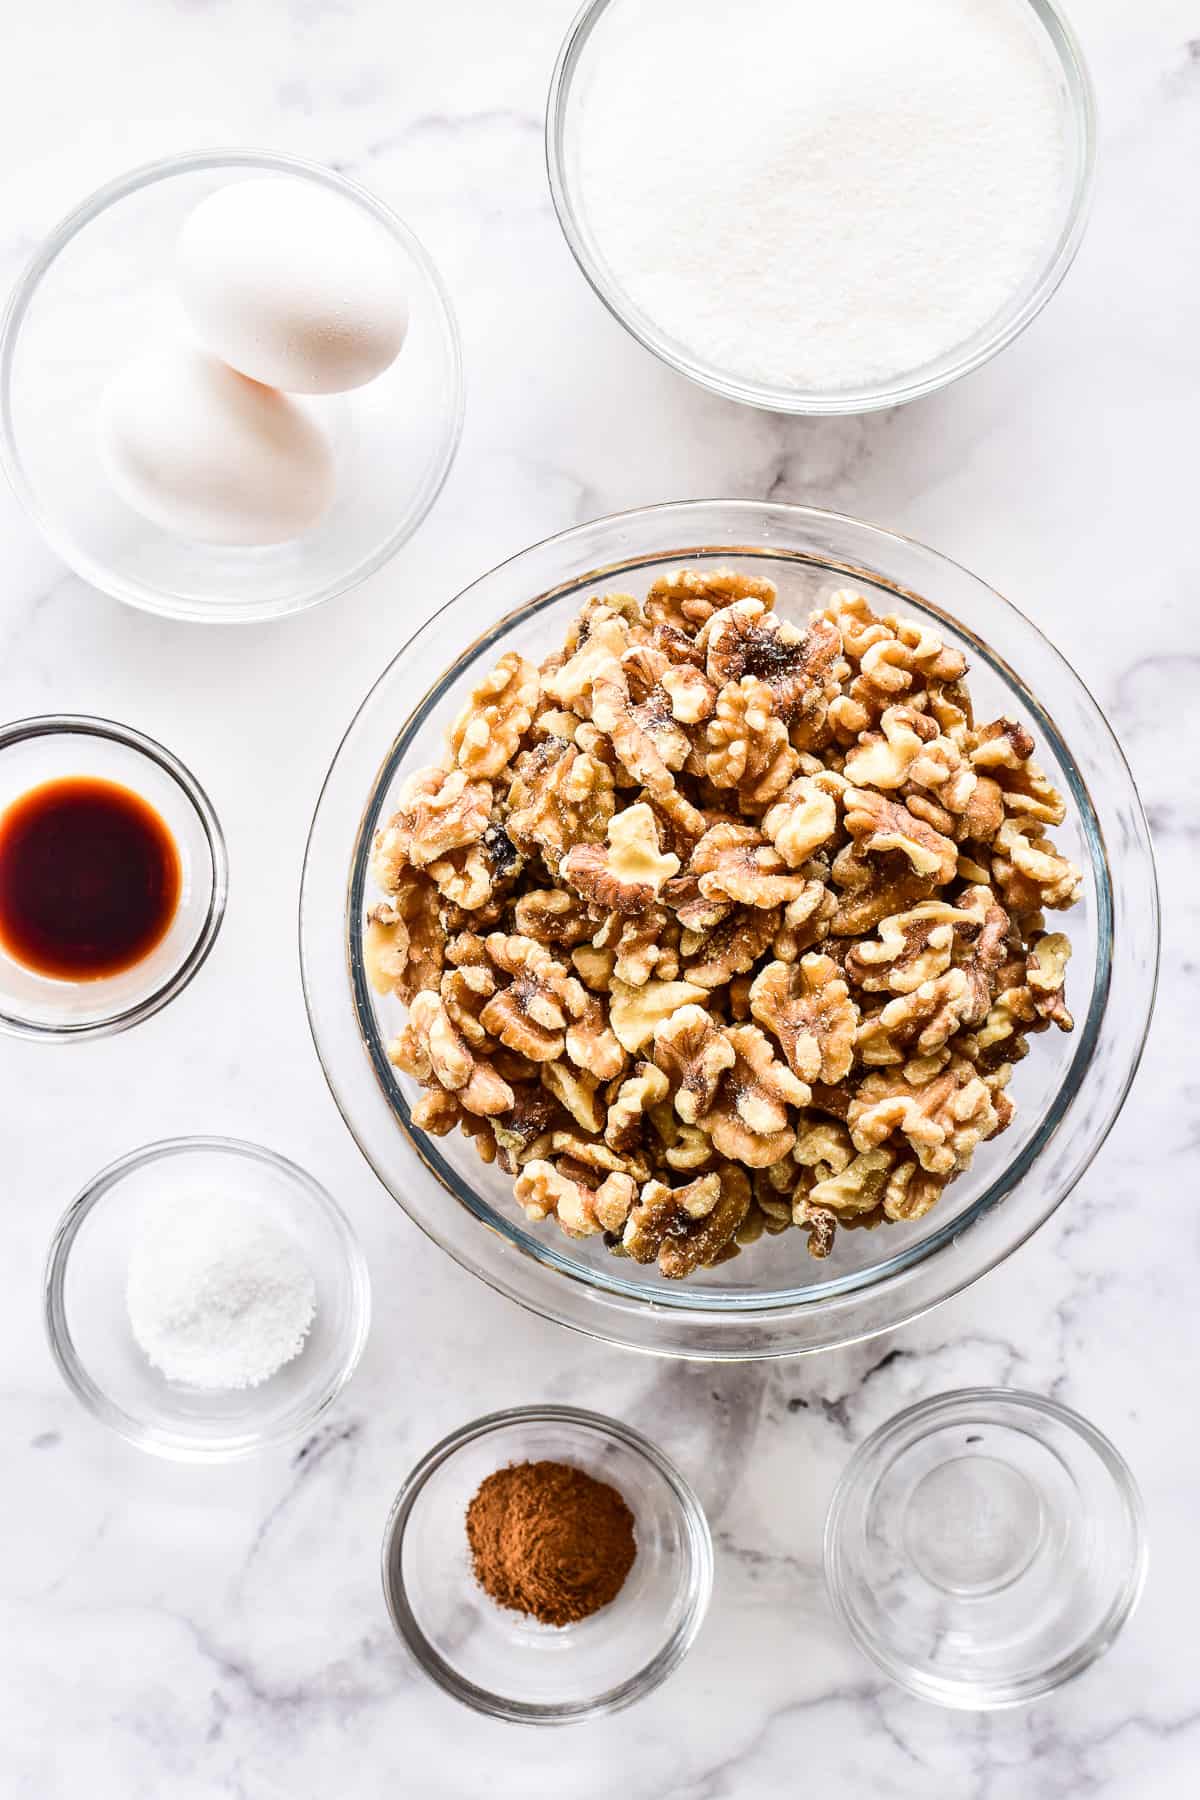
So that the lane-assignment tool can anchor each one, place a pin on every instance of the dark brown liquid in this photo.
(89, 879)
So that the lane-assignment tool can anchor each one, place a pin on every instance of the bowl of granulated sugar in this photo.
(206, 1298)
(822, 209)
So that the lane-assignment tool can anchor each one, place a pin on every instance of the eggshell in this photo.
(206, 453)
(292, 284)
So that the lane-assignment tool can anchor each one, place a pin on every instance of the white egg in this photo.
(293, 284)
(206, 453)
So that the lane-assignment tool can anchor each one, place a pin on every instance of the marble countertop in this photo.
(220, 1635)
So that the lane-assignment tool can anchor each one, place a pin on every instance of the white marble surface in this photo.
(220, 1635)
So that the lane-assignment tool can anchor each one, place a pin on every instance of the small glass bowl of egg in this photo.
(230, 386)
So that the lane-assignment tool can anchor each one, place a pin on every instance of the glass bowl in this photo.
(99, 291)
(33, 751)
(985, 1546)
(1063, 54)
(775, 1299)
(502, 1662)
(88, 1324)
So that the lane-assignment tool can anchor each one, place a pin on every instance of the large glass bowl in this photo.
(774, 1299)
(600, 20)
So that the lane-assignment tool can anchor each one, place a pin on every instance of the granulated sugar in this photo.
(218, 1296)
(820, 195)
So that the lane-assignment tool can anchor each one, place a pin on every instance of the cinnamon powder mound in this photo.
(550, 1540)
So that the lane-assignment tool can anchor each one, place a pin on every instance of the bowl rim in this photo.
(245, 158)
(89, 725)
(1063, 1668)
(174, 1445)
(953, 364)
(697, 1535)
(560, 1299)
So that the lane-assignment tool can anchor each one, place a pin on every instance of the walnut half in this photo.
(627, 876)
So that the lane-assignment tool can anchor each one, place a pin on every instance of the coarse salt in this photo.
(820, 196)
(218, 1296)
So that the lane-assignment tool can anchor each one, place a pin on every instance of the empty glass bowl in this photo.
(100, 291)
(985, 1546)
(34, 751)
(87, 1317)
(600, 22)
(774, 1299)
(505, 1663)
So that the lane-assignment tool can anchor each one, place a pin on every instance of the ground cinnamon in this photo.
(550, 1540)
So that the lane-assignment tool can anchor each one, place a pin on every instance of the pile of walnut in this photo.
(712, 925)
